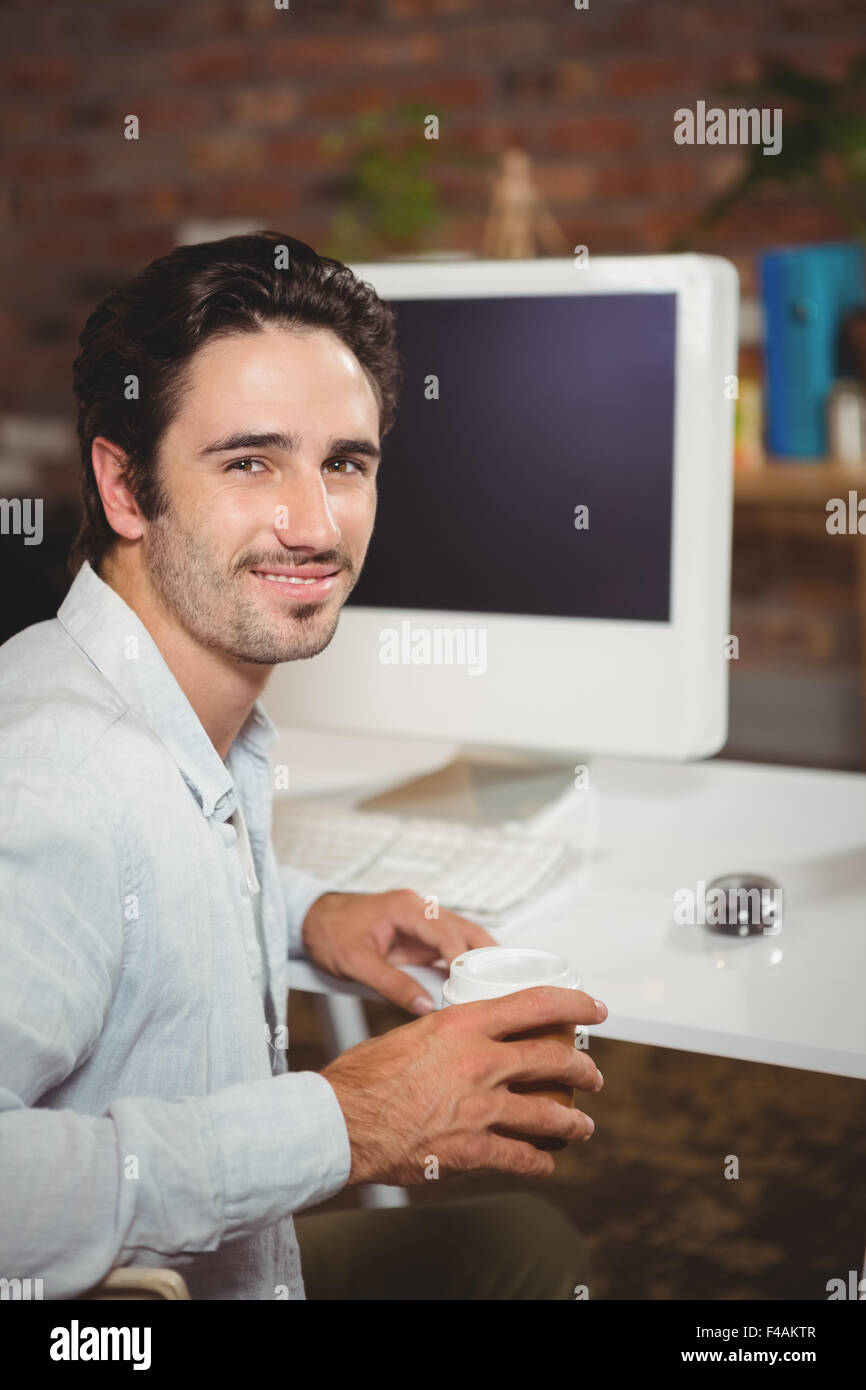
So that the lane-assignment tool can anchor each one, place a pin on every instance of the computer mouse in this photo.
(752, 905)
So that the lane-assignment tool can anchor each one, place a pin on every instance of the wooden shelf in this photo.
(787, 497)
(791, 483)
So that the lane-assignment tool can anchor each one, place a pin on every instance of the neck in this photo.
(221, 691)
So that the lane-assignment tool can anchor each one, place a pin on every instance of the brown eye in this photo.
(237, 465)
(358, 467)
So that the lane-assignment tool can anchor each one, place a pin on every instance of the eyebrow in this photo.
(244, 439)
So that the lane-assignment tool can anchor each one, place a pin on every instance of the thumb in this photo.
(393, 984)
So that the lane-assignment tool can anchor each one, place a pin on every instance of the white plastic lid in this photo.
(491, 971)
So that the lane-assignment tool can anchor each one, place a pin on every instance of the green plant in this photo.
(823, 150)
(388, 201)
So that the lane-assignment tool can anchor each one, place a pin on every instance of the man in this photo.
(232, 398)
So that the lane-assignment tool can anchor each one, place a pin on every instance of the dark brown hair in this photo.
(149, 327)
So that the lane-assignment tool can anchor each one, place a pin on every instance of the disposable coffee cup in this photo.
(492, 971)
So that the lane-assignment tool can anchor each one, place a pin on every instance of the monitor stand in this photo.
(486, 786)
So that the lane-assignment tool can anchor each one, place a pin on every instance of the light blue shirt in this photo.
(146, 1112)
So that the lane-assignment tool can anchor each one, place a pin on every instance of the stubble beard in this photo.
(212, 606)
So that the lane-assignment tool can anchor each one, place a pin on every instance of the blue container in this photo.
(807, 291)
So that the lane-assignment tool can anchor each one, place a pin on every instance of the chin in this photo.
(312, 637)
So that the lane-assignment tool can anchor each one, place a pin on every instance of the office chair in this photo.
(137, 1282)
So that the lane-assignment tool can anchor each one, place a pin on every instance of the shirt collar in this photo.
(115, 639)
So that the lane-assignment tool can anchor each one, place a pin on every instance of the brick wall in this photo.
(234, 95)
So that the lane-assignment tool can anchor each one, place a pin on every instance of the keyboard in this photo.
(467, 868)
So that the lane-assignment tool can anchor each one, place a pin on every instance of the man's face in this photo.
(265, 471)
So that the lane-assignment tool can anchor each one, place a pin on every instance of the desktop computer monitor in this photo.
(549, 568)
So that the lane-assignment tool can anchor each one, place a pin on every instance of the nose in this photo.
(303, 518)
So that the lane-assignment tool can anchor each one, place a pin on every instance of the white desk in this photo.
(796, 999)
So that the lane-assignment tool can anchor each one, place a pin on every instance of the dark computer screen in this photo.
(545, 405)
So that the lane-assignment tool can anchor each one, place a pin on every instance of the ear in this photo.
(121, 509)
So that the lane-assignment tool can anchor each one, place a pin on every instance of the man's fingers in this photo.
(412, 953)
(391, 983)
(501, 1155)
(532, 1008)
(410, 916)
(547, 1059)
(448, 932)
(474, 935)
(540, 1115)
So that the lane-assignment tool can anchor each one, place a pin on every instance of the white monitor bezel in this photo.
(629, 689)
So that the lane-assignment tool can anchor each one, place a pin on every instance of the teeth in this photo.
(284, 578)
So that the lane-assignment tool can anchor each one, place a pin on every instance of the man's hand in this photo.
(365, 936)
(439, 1087)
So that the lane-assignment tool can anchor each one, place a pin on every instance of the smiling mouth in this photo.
(308, 583)
(293, 578)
